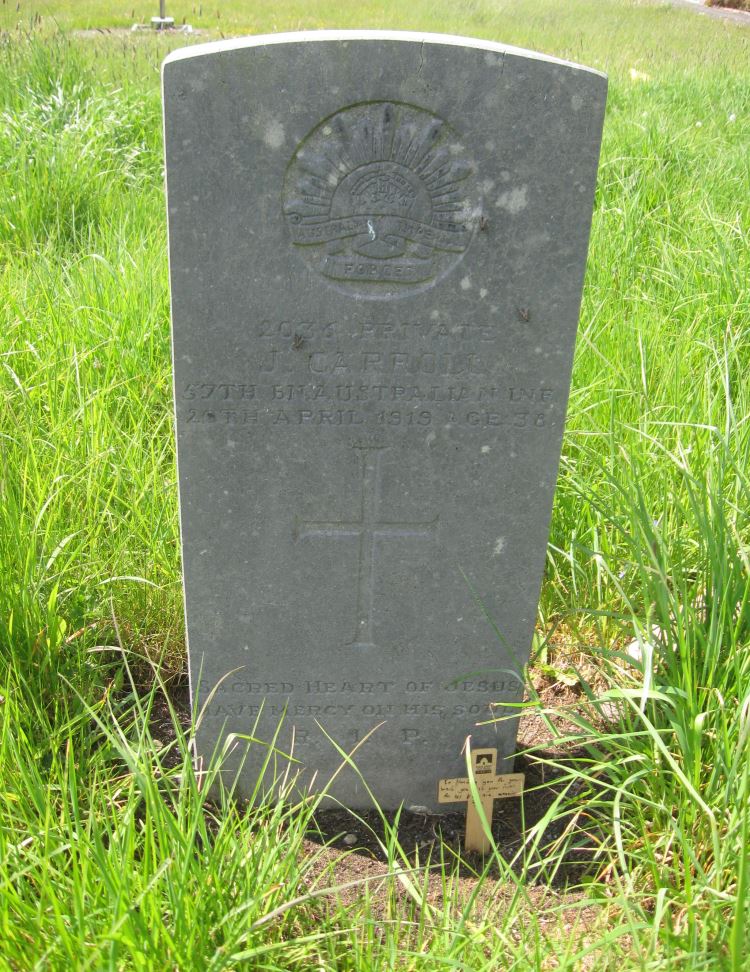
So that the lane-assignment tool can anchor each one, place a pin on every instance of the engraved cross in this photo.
(369, 528)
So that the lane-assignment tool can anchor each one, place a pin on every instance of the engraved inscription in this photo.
(491, 686)
(360, 700)
(514, 408)
(381, 197)
(382, 710)
(369, 528)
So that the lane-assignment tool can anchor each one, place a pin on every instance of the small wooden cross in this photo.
(489, 788)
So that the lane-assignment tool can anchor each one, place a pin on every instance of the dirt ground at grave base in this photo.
(346, 848)
(341, 878)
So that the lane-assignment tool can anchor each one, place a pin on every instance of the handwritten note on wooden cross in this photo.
(489, 788)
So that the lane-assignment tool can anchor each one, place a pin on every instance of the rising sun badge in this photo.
(381, 198)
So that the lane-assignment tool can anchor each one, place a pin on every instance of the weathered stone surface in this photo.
(377, 247)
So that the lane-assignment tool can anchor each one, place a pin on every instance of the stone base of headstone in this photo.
(164, 23)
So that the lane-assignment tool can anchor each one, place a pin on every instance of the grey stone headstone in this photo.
(377, 248)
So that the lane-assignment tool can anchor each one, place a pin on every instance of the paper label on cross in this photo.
(458, 790)
(369, 527)
(489, 788)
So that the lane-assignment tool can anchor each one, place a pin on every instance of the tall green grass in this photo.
(111, 855)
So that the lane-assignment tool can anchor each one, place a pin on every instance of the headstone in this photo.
(377, 248)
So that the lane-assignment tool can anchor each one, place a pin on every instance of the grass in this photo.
(612, 35)
(111, 855)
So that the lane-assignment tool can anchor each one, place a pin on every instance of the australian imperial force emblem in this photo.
(380, 198)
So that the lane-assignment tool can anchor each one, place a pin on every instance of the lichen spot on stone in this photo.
(274, 135)
(514, 200)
